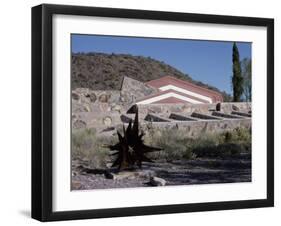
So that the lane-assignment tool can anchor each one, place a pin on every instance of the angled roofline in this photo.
(211, 92)
(160, 93)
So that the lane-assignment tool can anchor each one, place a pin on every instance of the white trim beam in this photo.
(167, 95)
(172, 87)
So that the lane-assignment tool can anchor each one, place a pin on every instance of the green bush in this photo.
(88, 147)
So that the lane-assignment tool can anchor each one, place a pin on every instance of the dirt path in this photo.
(199, 171)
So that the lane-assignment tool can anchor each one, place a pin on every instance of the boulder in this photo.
(157, 181)
(130, 174)
(75, 96)
(116, 107)
(87, 108)
(76, 185)
(93, 97)
(107, 121)
(103, 98)
(79, 124)
(235, 108)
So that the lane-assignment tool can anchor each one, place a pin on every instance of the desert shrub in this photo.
(88, 147)
(227, 144)
(219, 151)
(244, 134)
(238, 135)
(207, 140)
(247, 147)
(176, 145)
(173, 142)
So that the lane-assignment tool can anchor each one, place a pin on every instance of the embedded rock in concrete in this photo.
(79, 124)
(84, 95)
(116, 107)
(196, 128)
(104, 98)
(228, 107)
(76, 185)
(80, 107)
(75, 96)
(173, 108)
(235, 108)
(157, 181)
(143, 174)
(89, 112)
(87, 108)
(107, 121)
(92, 97)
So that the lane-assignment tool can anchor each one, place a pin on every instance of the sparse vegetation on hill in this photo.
(100, 71)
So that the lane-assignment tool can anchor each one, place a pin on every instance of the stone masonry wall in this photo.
(226, 107)
(108, 110)
(196, 128)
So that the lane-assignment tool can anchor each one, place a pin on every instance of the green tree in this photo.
(237, 79)
(246, 67)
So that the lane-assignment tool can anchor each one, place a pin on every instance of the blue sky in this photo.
(206, 61)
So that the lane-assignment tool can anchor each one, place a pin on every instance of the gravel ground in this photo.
(199, 171)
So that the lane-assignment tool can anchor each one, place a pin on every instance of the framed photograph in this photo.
(145, 112)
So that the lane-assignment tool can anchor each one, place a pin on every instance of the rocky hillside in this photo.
(101, 71)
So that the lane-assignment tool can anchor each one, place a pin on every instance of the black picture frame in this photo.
(42, 106)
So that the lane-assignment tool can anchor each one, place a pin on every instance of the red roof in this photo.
(169, 80)
(171, 100)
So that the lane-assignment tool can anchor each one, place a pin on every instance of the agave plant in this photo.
(131, 150)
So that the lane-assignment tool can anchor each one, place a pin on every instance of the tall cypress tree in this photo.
(237, 79)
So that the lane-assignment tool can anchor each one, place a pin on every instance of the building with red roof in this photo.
(172, 90)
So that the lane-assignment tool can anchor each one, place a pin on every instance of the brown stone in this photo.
(86, 108)
(76, 185)
(103, 98)
(157, 181)
(116, 108)
(79, 124)
(143, 174)
(93, 97)
(235, 108)
(75, 96)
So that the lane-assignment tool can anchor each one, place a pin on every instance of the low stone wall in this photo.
(86, 100)
(107, 124)
(108, 110)
(96, 108)
(172, 108)
(226, 107)
(94, 120)
(197, 128)
(82, 95)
